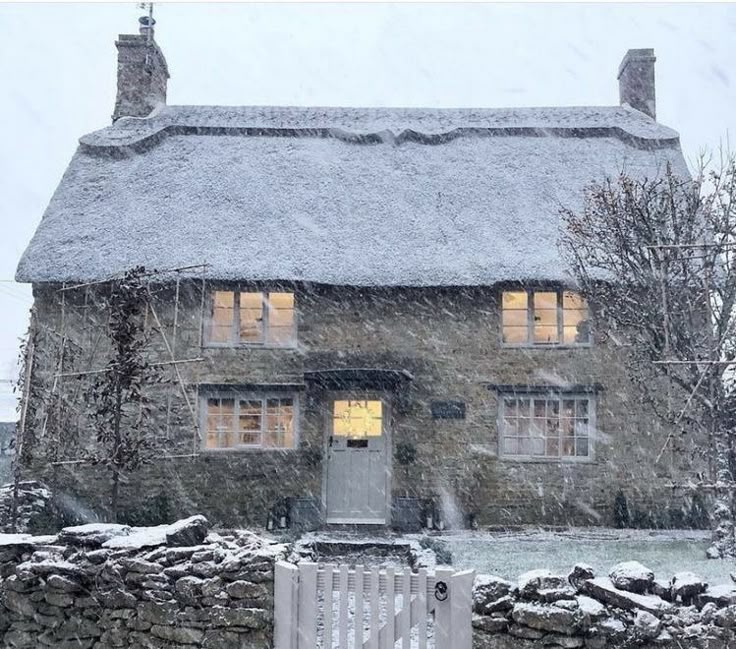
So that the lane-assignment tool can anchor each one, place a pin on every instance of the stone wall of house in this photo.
(103, 586)
(449, 342)
(628, 608)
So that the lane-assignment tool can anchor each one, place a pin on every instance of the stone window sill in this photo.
(547, 460)
(214, 452)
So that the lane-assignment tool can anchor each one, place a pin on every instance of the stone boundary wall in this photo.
(627, 608)
(34, 506)
(108, 586)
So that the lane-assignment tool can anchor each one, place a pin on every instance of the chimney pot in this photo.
(142, 73)
(146, 24)
(636, 81)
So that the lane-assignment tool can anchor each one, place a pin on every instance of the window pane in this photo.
(553, 447)
(524, 405)
(281, 300)
(251, 317)
(575, 318)
(545, 300)
(545, 317)
(540, 408)
(250, 422)
(220, 423)
(358, 418)
(524, 446)
(514, 300)
(581, 407)
(515, 319)
(516, 335)
(568, 446)
(581, 448)
(545, 334)
(568, 408)
(509, 407)
(223, 304)
(577, 327)
(571, 300)
(280, 318)
(510, 446)
(279, 423)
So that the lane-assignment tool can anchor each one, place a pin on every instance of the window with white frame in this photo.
(546, 426)
(544, 317)
(249, 421)
(253, 318)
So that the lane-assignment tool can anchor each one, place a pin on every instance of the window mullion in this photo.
(265, 300)
(264, 401)
(235, 336)
(559, 427)
(560, 319)
(530, 316)
(236, 422)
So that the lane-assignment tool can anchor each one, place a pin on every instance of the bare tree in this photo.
(119, 400)
(655, 259)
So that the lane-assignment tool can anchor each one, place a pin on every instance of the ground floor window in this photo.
(546, 426)
(249, 421)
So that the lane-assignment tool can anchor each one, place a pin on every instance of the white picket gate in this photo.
(336, 607)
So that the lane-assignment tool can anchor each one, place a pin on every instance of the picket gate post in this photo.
(461, 609)
(307, 607)
(285, 589)
(442, 614)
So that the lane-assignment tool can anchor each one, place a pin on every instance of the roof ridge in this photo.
(143, 143)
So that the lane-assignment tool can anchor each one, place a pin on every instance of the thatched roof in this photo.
(371, 197)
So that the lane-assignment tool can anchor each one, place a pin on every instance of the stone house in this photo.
(369, 313)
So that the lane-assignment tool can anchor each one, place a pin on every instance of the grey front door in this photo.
(357, 476)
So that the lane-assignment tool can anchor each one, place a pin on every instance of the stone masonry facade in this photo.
(446, 343)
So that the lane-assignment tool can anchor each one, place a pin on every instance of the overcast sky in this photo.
(58, 66)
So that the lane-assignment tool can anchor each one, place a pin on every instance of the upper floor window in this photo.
(546, 427)
(249, 421)
(253, 317)
(544, 317)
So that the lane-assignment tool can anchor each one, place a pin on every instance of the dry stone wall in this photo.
(627, 608)
(107, 586)
(33, 506)
(100, 586)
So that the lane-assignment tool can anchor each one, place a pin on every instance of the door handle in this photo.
(331, 438)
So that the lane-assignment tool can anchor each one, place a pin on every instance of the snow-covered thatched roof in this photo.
(413, 197)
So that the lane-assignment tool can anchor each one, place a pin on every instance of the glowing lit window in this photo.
(546, 427)
(544, 318)
(253, 317)
(249, 421)
(357, 419)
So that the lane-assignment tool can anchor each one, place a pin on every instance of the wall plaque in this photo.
(447, 409)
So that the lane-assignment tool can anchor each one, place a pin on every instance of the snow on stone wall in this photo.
(628, 608)
(34, 503)
(98, 586)
(103, 585)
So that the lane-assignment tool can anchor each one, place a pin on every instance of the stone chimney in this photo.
(636, 81)
(142, 73)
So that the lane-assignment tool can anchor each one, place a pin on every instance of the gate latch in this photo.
(440, 591)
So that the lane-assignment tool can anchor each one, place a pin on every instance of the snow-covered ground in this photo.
(509, 554)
